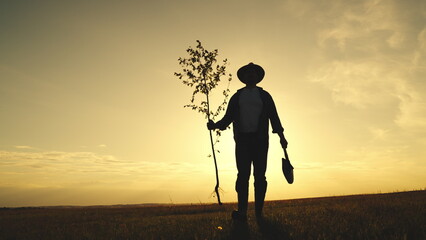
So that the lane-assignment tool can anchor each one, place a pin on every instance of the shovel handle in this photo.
(285, 154)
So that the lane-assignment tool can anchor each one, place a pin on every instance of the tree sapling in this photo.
(202, 73)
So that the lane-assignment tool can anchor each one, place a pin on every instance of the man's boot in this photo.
(241, 214)
(259, 198)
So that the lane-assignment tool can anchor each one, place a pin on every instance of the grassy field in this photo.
(377, 216)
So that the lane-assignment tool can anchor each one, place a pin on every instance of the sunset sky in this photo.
(90, 112)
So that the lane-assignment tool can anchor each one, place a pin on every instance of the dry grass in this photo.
(377, 216)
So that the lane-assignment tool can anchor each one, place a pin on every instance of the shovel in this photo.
(287, 168)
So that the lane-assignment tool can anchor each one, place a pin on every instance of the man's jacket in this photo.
(269, 112)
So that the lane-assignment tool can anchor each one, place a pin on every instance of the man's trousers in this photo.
(250, 149)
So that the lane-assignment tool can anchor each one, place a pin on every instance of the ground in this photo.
(377, 216)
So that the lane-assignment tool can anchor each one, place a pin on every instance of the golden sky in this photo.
(92, 114)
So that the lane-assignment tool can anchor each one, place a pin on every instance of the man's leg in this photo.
(260, 183)
(243, 154)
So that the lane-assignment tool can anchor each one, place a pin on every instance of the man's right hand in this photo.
(284, 143)
(211, 125)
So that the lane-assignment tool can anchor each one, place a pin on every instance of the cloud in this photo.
(422, 39)
(376, 21)
(396, 40)
(371, 59)
(359, 83)
(58, 168)
(379, 133)
(81, 161)
(40, 177)
(373, 56)
(412, 113)
(25, 147)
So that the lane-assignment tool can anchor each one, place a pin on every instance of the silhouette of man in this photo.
(250, 109)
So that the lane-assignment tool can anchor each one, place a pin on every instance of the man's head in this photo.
(251, 74)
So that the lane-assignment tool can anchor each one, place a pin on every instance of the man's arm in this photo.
(227, 119)
(273, 116)
(275, 122)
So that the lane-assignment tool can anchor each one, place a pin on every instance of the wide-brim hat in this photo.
(250, 66)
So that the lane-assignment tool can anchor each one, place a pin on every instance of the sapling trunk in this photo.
(216, 188)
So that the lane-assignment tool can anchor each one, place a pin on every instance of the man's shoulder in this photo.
(235, 96)
(238, 92)
(264, 92)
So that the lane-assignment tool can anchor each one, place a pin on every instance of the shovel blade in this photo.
(288, 170)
